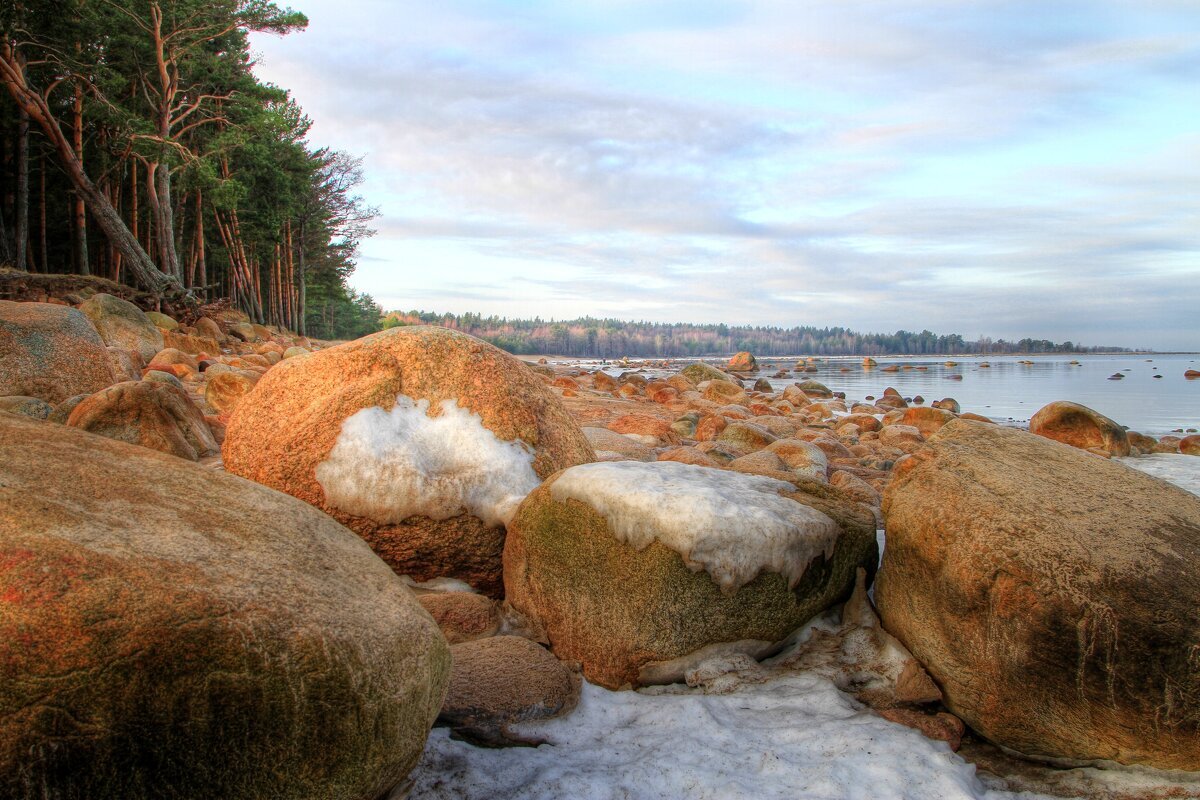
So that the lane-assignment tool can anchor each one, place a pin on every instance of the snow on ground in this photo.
(1181, 470)
(794, 737)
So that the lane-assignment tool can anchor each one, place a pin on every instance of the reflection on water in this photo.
(1009, 391)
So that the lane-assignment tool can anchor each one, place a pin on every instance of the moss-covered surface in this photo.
(614, 608)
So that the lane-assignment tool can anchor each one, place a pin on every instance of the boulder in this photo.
(627, 565)
(292, 352)
(1080, 426)
(348, 429)
(209, 329)
(32, 407)
(122, 324)
(747, 436)
(191, 343)
(62, 411)
(743, 362)
(604, 441)
(162, 321)
(603, 382)
(699, 372)
(172, 631)
(813, 388)
(462, 616)
(502, 680)
(724, 392)
(649, 430)
(125, 364)
(150, 414)
(926, 419)
(51, 352)
(224, 390)
(1190, 445)
(1053, 596)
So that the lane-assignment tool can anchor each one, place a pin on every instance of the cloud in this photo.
(1015, 168)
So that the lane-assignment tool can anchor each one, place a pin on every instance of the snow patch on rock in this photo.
(731, 525)
(392, 465)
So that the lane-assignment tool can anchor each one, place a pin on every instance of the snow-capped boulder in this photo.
(167, 630)
(1054, 596)
(629, 563)
(420, 439)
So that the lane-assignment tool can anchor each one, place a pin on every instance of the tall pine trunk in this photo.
(21, 256)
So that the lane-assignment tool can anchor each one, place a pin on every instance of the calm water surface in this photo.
(1011, 392)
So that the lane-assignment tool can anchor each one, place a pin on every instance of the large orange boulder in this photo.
(150, 414)
(420, 439)
(171, 631)
(1190, 445)
(1053, 596)
(743, 362)
(1080, 426)
(50, 352)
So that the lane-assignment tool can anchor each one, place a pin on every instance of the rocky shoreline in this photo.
(563, 530)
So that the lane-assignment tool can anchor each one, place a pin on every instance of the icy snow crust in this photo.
(731, 525)
(1176, 468)
(391, 465)
(796, 737)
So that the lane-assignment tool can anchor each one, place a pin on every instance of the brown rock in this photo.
(501, 680)
(122, 324)
(746, 436)
(1080, 426)
(688, 455)
(938, 726)
(743, 362)
(710, 427)
(724, 392)
(170, 631)
(646, 427)
(603, 440)
(190, 343)
(51, 352)
(289, 423)
(32, 407)
(462, 616)
(927, 420)
(603, 382)
(1053, 596)
(225, 390)
(149, 414)
(1190, 445)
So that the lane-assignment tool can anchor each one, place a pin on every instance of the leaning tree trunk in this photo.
(144, 273)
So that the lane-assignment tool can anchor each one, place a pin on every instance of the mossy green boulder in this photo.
(621, 610)
(699, 372)
(171, 631)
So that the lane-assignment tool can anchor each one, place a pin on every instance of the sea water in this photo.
(1011, 392)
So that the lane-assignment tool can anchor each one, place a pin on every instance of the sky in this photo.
(1007, 169)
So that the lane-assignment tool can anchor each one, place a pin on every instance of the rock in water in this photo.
(51, 352)
(743, 362)
(148, 413)
(348, 430)
(628, 563)
(1080, 426)
(122, 324)
(170, 631)
(1054, 596)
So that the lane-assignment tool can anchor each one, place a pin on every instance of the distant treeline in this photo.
(609, 338)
